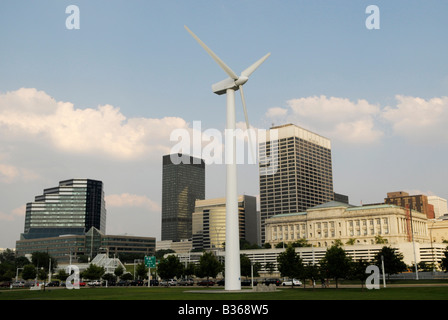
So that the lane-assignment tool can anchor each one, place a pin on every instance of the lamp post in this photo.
(17, 273)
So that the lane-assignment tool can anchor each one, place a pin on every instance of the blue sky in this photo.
(99, 102)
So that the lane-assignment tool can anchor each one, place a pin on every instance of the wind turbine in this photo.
(229, 86)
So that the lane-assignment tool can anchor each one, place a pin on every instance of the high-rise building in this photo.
(73, 207)
(209, 222)
(295, 171)
(183, 182)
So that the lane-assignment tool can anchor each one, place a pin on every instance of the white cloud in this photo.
(276, 112)
(418, 119)
(31, 114)
(131, 200)
(333, 117)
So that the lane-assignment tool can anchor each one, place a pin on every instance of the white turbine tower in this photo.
(228, 87)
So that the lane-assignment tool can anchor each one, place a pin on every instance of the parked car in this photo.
(186, 282)
(5, 284)
(53, 284)
(291, 282)
(267, 282)
(221, 282)
(154, 283)
(206, 283)
(94, 283)
(136, 283)
(168, 282)
(122, 283)
(18, 284)
(109, 283)
(248, 282)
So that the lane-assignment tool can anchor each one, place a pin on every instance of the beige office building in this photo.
(295, 170)
(209, 222)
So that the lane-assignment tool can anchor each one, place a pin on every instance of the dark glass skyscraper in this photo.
(183, 182)
(295, 171)
(73, 207)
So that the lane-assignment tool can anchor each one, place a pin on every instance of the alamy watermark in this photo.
(73, 20)
(73, 272)
(216, 147)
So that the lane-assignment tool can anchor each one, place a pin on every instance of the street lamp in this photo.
(17, 273)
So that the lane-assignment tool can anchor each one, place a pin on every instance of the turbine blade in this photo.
(247, 122)
(254, 67)
(221, 63)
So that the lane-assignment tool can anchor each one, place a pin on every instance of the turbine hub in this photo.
(241, 80)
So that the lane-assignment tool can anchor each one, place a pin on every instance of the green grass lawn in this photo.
(182, 293)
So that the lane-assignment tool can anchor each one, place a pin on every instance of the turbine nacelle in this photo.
(229, 83)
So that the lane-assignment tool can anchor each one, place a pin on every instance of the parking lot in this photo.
(141, 283)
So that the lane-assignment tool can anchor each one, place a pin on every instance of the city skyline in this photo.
(98, 102)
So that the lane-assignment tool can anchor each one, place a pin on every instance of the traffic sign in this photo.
(150, 261)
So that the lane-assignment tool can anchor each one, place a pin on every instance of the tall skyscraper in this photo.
(73, 207)
(183, 182)
(295, 171)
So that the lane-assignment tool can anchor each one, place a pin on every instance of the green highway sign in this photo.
(150, 261)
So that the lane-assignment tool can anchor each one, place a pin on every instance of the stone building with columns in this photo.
(324, 224)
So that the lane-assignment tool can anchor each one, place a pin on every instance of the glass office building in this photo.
(70, 248)
(73, 207)
(183, 182)
(295, 171)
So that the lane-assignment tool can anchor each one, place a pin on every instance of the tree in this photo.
(142, 271)
(109, 277)
(351, 241)
(29, 272)
(62, 275)
(190, 269)
(336, 263)
(301, 243)
(93, 272)
(7, 256)
(21, 261)
(209, 266)
(312, 272)
(246, 266)
(267, 245)
(126, 276)
(7, 271)
(444, 262)
(290, 264)
(270, 267)
(160, 253)
(42, 260)
(393, 260)
(8, 265)
(281, 245)
(380, 240)
(170, 267)
(246, 245)
(358, 271)
(119, 271)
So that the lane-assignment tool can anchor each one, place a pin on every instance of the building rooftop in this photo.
(337, 204)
